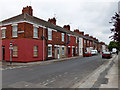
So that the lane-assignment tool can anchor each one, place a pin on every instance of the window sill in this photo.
(14, 37)
(14, 56)
(50, 56)
(35, 38)
(35, 56)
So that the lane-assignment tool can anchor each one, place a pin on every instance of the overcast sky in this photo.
(90, 16)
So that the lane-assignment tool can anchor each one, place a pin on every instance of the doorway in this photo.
(73, 51)
(3, 52)
(57, 52)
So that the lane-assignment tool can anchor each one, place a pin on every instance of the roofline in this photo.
(60, 29)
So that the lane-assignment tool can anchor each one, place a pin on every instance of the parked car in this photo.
(94, 52)
(106, 55)
(87, 54)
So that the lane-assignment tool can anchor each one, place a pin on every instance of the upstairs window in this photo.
(14, 30)
(69, 38)
(87, 43)
(76, 39)
(35, 32)
(49, 34)
(15, 51)
(3, 33)
(63, 37)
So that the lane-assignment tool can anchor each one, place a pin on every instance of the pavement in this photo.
(112, 77)
(4, 63)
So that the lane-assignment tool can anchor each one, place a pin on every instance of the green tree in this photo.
(115, 20)
(112, 44)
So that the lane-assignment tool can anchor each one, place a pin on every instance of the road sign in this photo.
(11, 44)
(10, 47)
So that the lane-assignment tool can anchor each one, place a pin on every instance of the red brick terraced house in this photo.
(34, 39)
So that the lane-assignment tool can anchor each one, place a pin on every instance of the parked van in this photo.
(94, 52)
(114, 50)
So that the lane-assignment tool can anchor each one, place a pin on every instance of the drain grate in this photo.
(105, 81)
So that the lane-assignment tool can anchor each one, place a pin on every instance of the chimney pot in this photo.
(66, 27)
(52, 20)
(27, 10)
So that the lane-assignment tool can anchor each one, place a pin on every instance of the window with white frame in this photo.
(63, 37)
(69, 38)
(35, 51)
(63, 51)
(80, 50)
(87, 43)
(49, 50)
(76, 39)
(15, 50)
(76, 50)
(35, 32)
(14, 31)
(3, 33)
(49, 34)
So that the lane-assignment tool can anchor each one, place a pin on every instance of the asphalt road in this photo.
(63, 74)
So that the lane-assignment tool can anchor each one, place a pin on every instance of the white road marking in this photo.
(45, 84)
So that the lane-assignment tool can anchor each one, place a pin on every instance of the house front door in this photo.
(57, 54)
(3, 52)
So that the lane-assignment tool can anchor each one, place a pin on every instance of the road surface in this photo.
(63, 74)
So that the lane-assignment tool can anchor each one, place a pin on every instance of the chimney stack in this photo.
(66, 27)
(27, 10)
(91, 37)
(87, 35)
(82, 33)
(77, 31)
(52, 20)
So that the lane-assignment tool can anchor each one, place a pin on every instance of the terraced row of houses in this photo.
(35, 39)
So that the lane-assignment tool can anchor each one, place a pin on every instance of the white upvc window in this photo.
(3, 33)
(69, 37)
(35, 32)
(76, 39)
(76, 50)
(63, 51)
(14, 30)
(49, 50)
(15, 51)
(35, 51)
(63, 37)
(87, 43)
(49, 34)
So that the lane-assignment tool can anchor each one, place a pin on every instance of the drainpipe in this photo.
(43, 45)
(66, 46)
(46, 42)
